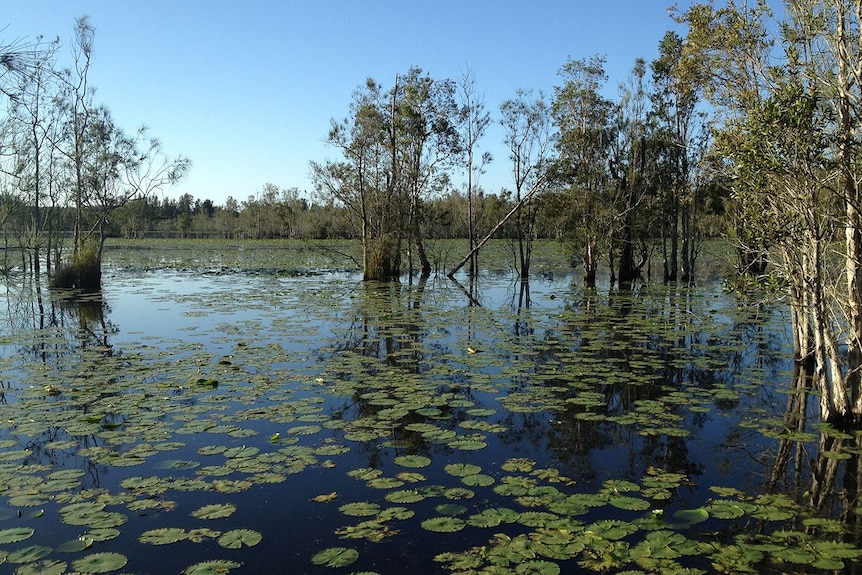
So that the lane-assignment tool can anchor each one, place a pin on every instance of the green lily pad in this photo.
(163, 536)
(47, 567)
(360, 509)
(444, 524)
(16, 534)
(215, 511)
(461, 469)
(100, 563)
(335, 557)
(629, 503)
(413, 461)
(28, 554)
(216, 567)
(236, 538)
(478, 480)
(404, 496)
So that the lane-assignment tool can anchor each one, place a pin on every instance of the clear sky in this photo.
(246, 89)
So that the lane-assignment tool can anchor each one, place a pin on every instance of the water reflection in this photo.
(591, 385)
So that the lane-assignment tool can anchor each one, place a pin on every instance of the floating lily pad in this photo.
(215, 511)
(335, 557)
(16, 534)
(216, 567)
(404, 496)
(461, 469)
(163, 536)
(236, 538)
(47, 567)
(28, 554)
(360, 509)
(443, 524)
(100, 563)
(413, 461)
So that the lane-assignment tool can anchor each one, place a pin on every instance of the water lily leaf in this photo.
(360, 509)
(47, 567)
(688, 517)
(400, 513)
(216, 567)
(461, 469)
(537, 567)
(467, 444)
(100, 563)
(519, 464)
(443, 524)
(241, 452)
(215, 511)
(629, 503)
(477, 480)
(404, 496)
(410, 476)
(451, 509)
(163, 536)
(236, 538)
(28, 500)
(413, 461)
(325, 497)
(16, 534)
(202, 534)
(75, 545)
(28, 554)
(101, 534)
(335, 557)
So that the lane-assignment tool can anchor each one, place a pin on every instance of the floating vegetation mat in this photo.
(187, 423)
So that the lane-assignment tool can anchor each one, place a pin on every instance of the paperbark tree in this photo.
(474, 122)
(791, 93)
(526, 121)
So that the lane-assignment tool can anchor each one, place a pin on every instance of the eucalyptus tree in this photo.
(790, 94)
(529, 137)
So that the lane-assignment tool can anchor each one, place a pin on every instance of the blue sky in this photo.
(246, 89)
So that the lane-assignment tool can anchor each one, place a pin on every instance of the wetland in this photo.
(254, 407)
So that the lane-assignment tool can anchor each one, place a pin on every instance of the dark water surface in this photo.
(564, 430)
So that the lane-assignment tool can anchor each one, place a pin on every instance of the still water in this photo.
(206, 421)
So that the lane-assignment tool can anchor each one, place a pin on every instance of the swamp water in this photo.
(213, 421)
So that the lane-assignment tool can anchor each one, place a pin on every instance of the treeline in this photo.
(623, 180)
(287, 213)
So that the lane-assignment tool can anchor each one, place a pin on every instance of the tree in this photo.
(681, 136)
(396, 147)
(108, 167)
(474, 122)
(526, 121)
(583, 117)
(790, 92)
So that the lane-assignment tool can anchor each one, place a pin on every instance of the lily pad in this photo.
(360, 509)
(16, 534)
(444, 524)
(215, 511)
(335, 557)
(100, 563)
(413, 461)
(216, 567)
(236, 538)
(163, 536)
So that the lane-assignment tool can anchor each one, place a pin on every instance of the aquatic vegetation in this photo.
(247, 414)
